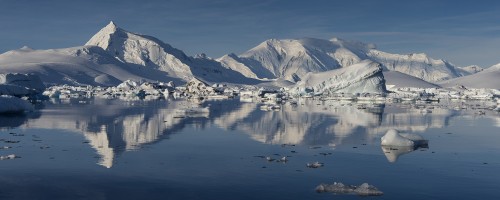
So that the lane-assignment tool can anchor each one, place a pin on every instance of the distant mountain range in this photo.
(114, 55)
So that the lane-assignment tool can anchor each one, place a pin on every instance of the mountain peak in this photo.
(110, 28)
(111, 23)
(26, 48)
(103, 37)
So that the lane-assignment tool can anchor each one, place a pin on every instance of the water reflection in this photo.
(330, 123)
(393, 153)
(15, 120)
(112, 127)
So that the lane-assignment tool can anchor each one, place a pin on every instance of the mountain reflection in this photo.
(112, 127)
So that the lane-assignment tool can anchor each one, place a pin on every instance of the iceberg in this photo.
(9, 157)
(363, 77)
(393, 138)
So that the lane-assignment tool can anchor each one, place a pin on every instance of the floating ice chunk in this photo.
(364, 189)
(338, 188)
(314, 165)
(394, 138)
(10, 104)
(127, 85)
(200, 88)
(268, 158)
(9, 157)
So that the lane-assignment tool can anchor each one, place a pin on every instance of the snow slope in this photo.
(85, 65)
(363, 77)
(472, 69)
(487, 78)
(395, 79)
(292, 59)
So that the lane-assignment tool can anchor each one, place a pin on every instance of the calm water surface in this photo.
(111, 149)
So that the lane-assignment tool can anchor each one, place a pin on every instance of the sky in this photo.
(463, 33)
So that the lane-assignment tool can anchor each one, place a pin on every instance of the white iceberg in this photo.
(363, 77)
(366, 189)
(314, 165)
(9, 157)
(393, 138)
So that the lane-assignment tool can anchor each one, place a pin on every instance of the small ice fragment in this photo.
(364, 189)
(314, 165)
(284, 159)
(8, 157)
(338, 188)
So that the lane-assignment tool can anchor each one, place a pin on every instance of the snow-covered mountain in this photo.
(114, 55)
(472, 69)
(487, 78)
(142, 50)
(292, 59)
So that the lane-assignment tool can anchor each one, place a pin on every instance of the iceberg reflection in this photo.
(393, 153)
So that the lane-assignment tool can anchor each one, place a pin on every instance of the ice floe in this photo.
(9, 157)
(364, 189)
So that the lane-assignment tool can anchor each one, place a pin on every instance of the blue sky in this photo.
(464, 33)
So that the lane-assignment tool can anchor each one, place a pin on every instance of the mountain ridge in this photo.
(113, 55)
(292, 58)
